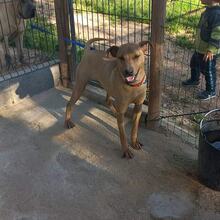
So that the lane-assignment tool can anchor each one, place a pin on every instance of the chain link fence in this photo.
(181, 110)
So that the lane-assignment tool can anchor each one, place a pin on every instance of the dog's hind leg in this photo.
(77, 91)
(19, 46)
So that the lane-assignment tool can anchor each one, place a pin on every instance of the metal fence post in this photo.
(73, 37)
(157, 40)
(65, 48)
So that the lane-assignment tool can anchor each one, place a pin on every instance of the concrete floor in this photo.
(49, 173)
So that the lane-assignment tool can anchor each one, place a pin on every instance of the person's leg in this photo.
(209, 69)
(210, 76)
(195, 70)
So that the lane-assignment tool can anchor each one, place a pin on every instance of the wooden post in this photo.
(65, 55)
(157, 40)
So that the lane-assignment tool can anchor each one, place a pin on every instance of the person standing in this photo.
(207, 49)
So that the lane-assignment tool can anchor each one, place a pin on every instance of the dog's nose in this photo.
(129, 72)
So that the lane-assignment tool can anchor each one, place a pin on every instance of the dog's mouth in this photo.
(132, 79)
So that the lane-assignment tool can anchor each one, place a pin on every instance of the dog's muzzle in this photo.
(130, 77)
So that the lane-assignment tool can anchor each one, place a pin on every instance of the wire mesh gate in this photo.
(130, 21)
(122, 21)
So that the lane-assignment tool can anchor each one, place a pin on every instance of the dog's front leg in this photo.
(8, 58)
(68, 117)
(19, 46)
(110, 104)
(134, 132)
(124, 144)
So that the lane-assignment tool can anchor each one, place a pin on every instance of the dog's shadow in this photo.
(83, 108)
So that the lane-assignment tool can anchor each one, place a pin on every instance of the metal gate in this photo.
(123, 21)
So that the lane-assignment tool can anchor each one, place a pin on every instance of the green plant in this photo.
(181, 16)
(197, 118)
(185, 42)
(136, 10)
(39, 40)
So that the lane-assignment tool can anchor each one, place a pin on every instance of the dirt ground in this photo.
(50, 173)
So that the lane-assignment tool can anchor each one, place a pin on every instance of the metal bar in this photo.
(73, 37)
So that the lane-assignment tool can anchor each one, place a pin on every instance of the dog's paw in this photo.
(137, 145)
(128, 154)
(69, 124)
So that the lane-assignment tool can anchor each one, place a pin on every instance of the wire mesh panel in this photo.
(181, 23)
(122, 20)
(39, 42)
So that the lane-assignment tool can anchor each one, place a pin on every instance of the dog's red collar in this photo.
(140, 83)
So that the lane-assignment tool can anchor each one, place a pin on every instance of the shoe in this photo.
(190, 82)
(205, 95)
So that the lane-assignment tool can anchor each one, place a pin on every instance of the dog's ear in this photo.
(144, 46)
(112, 51)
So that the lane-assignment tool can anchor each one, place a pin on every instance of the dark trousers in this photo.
(198, 65)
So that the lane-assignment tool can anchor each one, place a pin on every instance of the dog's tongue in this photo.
(130, 78)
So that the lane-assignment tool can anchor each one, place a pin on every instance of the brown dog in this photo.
(122, 76)
(13, 14)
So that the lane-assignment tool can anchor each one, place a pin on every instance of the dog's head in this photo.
(27, 9)
(131, 59)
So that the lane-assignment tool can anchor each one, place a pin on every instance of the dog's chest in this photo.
(129, 94)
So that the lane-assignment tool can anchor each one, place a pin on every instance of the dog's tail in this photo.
(89, 42)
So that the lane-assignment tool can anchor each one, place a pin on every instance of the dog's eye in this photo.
(136, 56)
(121, 58)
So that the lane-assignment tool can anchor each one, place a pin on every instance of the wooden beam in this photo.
(157, 40)
(65, 55)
